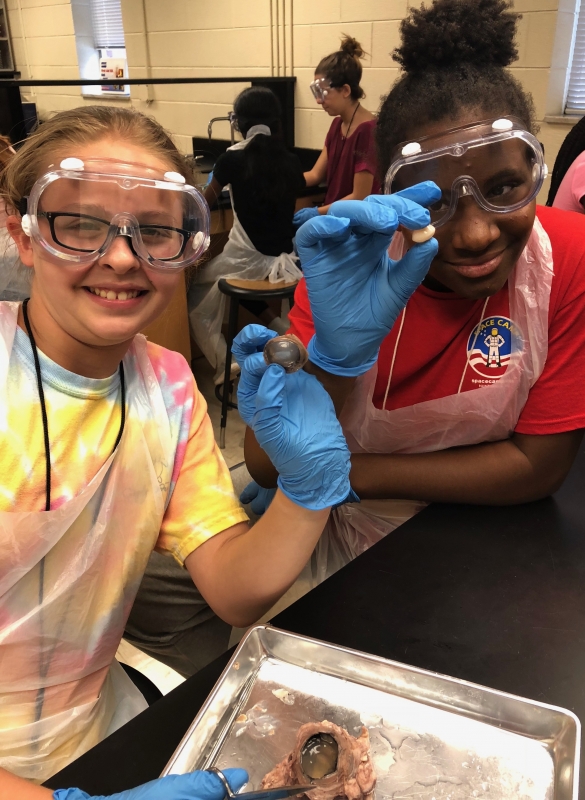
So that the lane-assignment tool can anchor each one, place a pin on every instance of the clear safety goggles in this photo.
(76, 211)
(497, 162)
(320, 88)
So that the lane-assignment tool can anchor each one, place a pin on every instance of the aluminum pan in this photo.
(432, 736)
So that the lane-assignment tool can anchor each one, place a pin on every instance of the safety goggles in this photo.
(76, 211)
(496, 162)
(320, 88)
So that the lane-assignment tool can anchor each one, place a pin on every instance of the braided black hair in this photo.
(453, 55)
(572, 147)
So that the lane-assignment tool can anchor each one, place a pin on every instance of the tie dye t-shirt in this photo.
(84, 420)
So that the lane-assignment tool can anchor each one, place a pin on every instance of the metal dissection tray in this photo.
(433, 737)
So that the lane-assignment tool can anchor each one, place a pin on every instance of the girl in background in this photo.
(567, 186)
(347, 162)
(264, 181)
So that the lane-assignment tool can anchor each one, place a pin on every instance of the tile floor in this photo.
(162, 676)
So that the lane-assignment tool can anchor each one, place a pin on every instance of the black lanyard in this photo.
(33, 345)
(344, 140)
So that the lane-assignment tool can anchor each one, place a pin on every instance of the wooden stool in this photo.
(238, 290)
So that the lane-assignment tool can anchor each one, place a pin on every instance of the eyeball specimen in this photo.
(288, 351)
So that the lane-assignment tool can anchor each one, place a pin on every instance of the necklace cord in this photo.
(344, 140)
(33, 345)
(350, 123)
(483, 310)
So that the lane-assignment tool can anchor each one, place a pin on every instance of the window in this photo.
(99, 37)
(106, 18)
(575, 103)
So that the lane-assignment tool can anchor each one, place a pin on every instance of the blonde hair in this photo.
(79, 127)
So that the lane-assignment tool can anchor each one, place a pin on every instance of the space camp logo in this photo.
(491, 346)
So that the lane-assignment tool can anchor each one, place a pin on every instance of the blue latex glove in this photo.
(192, 786)
(250, 340)
(304, 214)
(295, 424)
(356, 291)
(258, 497)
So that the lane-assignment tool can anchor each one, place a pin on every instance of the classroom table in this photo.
(494, 595)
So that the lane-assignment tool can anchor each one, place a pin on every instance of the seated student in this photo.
(475, 395)
(107, 451)
(567, 185)
(264, 180)
(348, 160)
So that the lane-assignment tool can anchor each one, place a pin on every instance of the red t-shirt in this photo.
(345, 157)
(439, 327)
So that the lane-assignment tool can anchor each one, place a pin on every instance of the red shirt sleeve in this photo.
(556, 402)
(301, 319)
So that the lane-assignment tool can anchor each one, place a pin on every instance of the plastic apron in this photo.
(486, 414)
(239, 259)
(61, 690)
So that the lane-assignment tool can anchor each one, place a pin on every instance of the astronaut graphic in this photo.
(491, 346)
(493, 343)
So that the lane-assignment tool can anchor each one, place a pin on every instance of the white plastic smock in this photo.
(241, 260)
(486, 414)
(61, 690)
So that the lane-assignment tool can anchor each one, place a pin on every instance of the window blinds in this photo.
(576, 94)
(108, 30)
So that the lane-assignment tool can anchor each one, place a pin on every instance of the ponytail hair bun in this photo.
(352, 47)
(344, 66)
(454, 55)
(450, 33)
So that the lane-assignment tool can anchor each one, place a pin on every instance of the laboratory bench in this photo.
(492, 595)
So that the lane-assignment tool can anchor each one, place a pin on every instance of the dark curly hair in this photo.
(344, 66)
(572, 147)
(453, 55)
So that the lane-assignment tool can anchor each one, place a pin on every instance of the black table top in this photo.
(494, 595)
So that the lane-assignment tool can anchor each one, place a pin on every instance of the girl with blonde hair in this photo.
(106, 448)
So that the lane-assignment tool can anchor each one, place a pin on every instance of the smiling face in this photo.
(478, 249)
(102, 304)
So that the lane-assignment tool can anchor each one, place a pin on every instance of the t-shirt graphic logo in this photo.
(491, 344)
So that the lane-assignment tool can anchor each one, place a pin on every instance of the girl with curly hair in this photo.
(473, 393)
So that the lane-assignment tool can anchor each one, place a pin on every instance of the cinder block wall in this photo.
(260, 37)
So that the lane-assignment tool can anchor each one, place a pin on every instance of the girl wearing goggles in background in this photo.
(106, 449)
(347, 162)
(475, 395)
